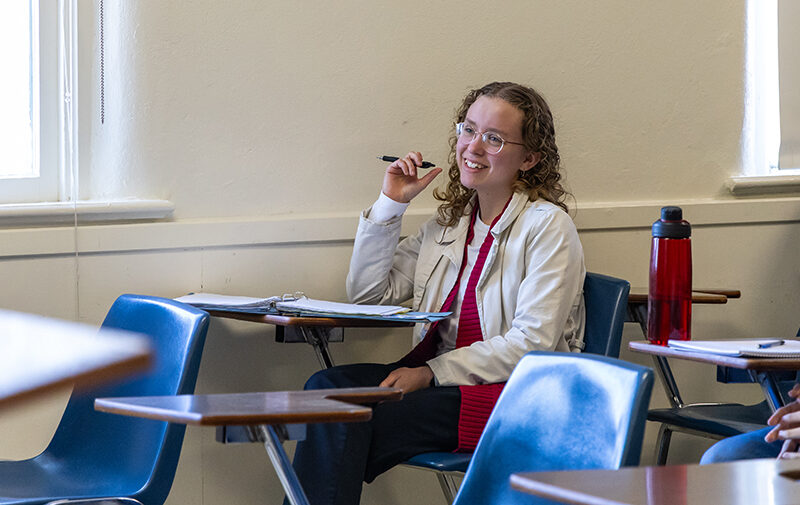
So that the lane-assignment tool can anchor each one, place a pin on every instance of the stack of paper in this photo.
(323, 307)
(306, 307)
(770, 348)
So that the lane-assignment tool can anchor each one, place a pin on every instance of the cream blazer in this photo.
(529, 295)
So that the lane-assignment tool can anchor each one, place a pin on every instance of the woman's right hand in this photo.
(401, 182)
(786, 422)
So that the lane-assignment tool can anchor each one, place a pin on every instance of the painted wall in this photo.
(254, 108)
(261, 121)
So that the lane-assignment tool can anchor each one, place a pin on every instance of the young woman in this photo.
(501, 253)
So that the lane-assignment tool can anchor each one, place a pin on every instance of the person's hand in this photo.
(401, 182)
(789, 450)
(787, 426)
(408, 379)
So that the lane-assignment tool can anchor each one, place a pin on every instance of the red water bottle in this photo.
(669, 302)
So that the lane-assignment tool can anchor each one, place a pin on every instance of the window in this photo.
(39, 140)
(30, 132)
(772, 116)
(20, 93)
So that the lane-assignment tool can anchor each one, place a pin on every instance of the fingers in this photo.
(408, 379)
(789, 450)
(389, 381)
(429, 177)
(789, 434)
(772, 435)
(786, 427)
(776, 417)
(415, 158)
(401, 182)
(407, 165)
(399, 378)
(795, 391)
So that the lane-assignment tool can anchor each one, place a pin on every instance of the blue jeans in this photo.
(745, 446)
(335, 458)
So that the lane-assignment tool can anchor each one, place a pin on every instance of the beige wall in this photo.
(261, 121)
(260, 108)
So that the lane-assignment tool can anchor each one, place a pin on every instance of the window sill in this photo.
(65, 213)
(765, 184)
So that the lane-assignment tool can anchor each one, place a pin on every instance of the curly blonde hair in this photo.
(538, 134)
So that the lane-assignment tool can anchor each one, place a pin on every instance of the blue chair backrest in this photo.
(606, 300)
(124, 455)
(559, 411)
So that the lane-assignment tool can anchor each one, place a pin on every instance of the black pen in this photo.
(425, 164)
(767, 345)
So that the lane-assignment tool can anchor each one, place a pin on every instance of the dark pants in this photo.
(335, 458)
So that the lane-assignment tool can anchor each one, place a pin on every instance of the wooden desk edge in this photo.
(356, 414)
(526, 482)
(354, 397)
(118, 370)
(330, 322)
(729, 293)
(360, 397)
(704, 297)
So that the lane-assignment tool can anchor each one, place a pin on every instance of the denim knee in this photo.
(746, 446)
(324, 379)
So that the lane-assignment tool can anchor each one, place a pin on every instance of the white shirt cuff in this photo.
(385, 209)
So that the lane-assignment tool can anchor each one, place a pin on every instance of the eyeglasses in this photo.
(494, 142)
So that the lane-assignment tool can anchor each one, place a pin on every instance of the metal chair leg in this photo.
(662, 444)
(448, 485)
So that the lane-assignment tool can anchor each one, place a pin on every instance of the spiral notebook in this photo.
(745, 348)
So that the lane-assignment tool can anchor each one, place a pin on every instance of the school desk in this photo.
(270, 418)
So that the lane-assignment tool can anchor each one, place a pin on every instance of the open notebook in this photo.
(301, 305)
(747, 348)
(304, 304)
(290, 304)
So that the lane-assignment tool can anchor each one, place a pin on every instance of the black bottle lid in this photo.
(672, 224)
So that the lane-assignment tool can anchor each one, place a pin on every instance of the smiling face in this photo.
(492, 175)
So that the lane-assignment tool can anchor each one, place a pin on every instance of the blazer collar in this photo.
(455, 235)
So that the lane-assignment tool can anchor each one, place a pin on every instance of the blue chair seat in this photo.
(442, 461)
(720, 420)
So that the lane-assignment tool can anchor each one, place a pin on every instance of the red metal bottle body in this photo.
(669, 302)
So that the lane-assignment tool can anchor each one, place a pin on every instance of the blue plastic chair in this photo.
(606, 300)
(559, 411)
(97, 455)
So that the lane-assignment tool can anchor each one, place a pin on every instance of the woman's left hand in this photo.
(408, 379)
